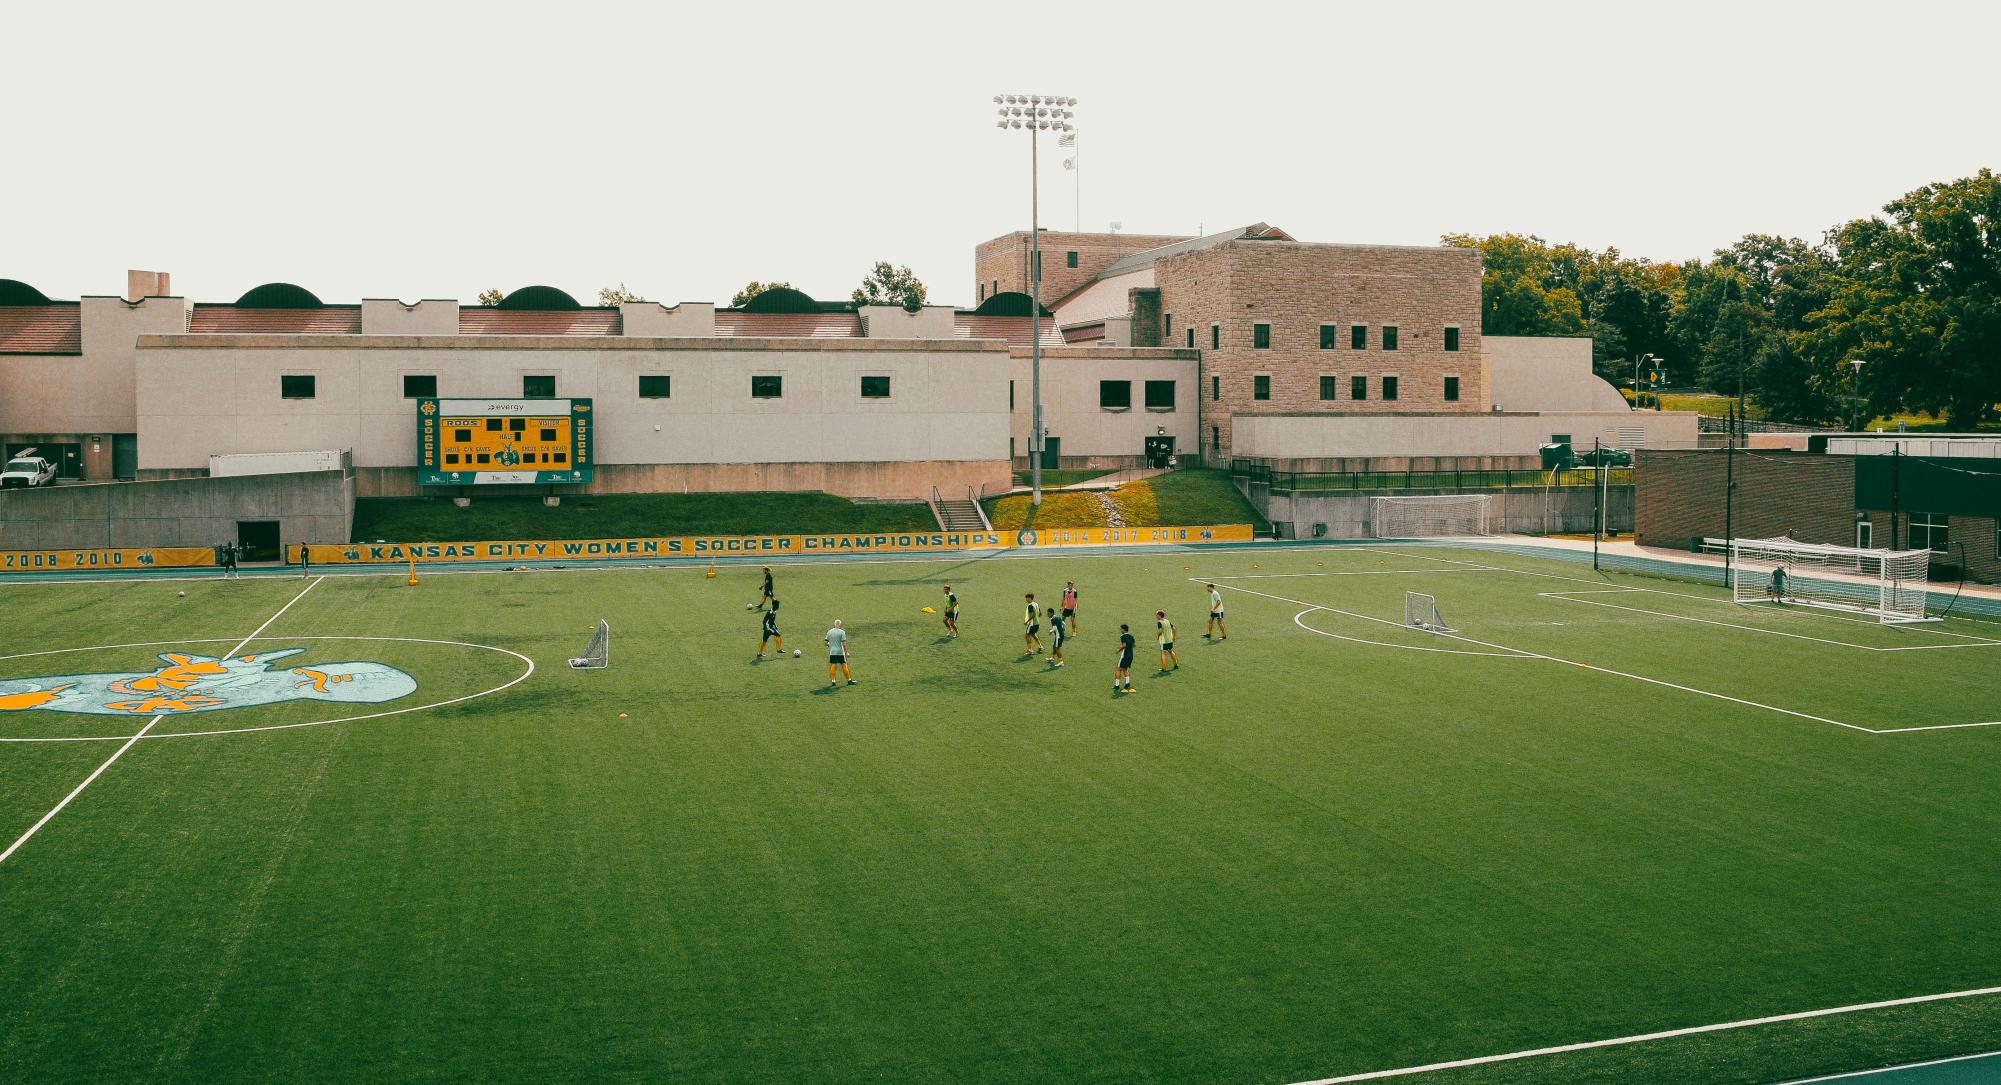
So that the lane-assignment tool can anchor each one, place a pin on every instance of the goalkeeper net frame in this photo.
(1439, 515)
(1888, 585)
(597, 656)
(1420, 611)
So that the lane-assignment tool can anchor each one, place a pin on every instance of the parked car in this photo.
(27, 470)
(1607, 457)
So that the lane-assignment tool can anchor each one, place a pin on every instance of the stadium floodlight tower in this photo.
(1037, 113)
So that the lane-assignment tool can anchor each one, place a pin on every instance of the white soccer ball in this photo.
(180, 595)
(750, 606)
(795, 653)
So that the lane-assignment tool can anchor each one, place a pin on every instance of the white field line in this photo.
(1297, 620)
(509, 684)
(1593, 667)
(1646, 1037)
(1362, 572)
(1893, 1069)
(1935, 727)
(130, 742)
(1571, 596)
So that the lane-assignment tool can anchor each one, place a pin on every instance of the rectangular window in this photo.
(297, 386)
(1115, 395)
(1261, 386)
(875, 387)
(1215, 388)
(1215, 337)
(1452, 389)
(1159, 395)
(1070, 258)
(1358, 387)
(1010, 395)
(657, 386)
(1329, 336)
(1928, 532)
(541, 387)
(769, 387)
(1261, 337)
(1167, 327)
(1215, 438)
(1358, 337)
(1389, 387)
(418, 386)
(1191, 338)
(1389, 337)
(1452, 339)
(1330, 388)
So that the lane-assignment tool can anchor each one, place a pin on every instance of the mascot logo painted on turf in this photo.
(193, 683)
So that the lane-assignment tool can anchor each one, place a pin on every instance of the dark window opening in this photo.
(1389, 337)
(1452, 389)
(1070, 258)
(875, 387)
(1261, 337)
(1358, 387)
(1167, 326)
(1115, 395)
(543, 387)
(656, 387)
(419, 386)
(1358, 337)
(1330, 388)
(1389, 387)
(1191, 338)
(1328, 336)
(294, 386)
(1452, 339)
(1261, 386)
(1215, 337)
(1216, 438)
(1215, 388)
(767, 387)
(1160, 395)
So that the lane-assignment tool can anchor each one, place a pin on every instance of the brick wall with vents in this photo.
(1806, 497)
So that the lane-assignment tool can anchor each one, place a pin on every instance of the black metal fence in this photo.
(1460, 481)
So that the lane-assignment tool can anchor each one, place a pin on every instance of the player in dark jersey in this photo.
(767, 595)
(1122, 674)
(770, 631)
(1031, 624)
(951, 612)
(1058, 634)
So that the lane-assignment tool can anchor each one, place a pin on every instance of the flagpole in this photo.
(1077, 163)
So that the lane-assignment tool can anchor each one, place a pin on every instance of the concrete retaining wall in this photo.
(1563, 510)
(316, 505)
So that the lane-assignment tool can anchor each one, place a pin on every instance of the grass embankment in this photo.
(626, 516)
(1719, 407)
(1179, 498)
(1064, 477)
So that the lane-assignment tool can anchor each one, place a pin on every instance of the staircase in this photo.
(959, 514)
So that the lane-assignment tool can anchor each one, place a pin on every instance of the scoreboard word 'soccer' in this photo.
(471, 442)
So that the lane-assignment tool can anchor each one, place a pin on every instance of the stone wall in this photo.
(1004, 260)
(1563, 510)
(310, 506)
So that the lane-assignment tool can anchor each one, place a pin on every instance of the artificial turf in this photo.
(1299, 856)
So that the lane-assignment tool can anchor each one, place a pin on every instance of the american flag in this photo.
(1067, 139)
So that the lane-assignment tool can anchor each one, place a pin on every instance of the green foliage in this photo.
(752, 289)
(616, 295)
(889, 285)
(491, 296)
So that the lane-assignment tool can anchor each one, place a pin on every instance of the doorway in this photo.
(258, 539)
(1052, 453)
(125, 456)
(1865, 534)
(68, 458)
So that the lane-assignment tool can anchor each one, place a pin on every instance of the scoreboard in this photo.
(469, 442)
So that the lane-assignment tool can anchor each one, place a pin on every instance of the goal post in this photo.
(1420, 611)
(1888, 585)
(597, 655)
(1432, 516)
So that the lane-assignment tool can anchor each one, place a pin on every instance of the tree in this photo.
(886, 285)
(1520, 289)
(490, 297)
(753, 289)
(616, 295)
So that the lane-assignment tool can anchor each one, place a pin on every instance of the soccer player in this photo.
(1165, 628)
(1122, 672)
(837, 655)
(1057, 637)
(770, 631)
(1031, 624)
(1215, 615)
(951, 612)
(1070, 605)
(1776, 590)
(768, 595)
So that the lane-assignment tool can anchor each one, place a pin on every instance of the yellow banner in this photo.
(153, 557)
(777, 546)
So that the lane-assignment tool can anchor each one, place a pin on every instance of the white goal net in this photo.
(1420, 611)
(1421, 517)
(1888, 584)
(598, 655)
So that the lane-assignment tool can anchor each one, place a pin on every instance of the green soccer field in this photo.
(422, 849)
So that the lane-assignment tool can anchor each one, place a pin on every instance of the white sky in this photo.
(423, 150)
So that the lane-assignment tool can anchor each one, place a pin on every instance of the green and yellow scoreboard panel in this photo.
(471, 442)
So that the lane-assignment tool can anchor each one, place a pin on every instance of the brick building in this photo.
(1000, 265)
(1950, 508)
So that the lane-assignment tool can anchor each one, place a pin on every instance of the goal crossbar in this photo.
(1888, 585)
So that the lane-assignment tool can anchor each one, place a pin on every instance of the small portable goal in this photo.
(1420, 611)
(1440, 515)
(597, 656)
(1888, 585)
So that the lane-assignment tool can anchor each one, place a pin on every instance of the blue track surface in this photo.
(1969, 1070)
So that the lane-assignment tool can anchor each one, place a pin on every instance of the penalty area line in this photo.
(1646, 1037)
(134, 740)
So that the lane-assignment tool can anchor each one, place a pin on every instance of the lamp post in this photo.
(1037, 113)
(1638, 396)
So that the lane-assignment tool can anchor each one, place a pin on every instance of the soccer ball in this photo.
(180, 595)
(795, 653)
(750, 606)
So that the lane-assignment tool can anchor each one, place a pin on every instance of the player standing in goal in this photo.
(1776, 589)
(770, 631)
(1122, 672)
(951, 612)
(1031, 624)
(837, 655)
(1216, 616)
